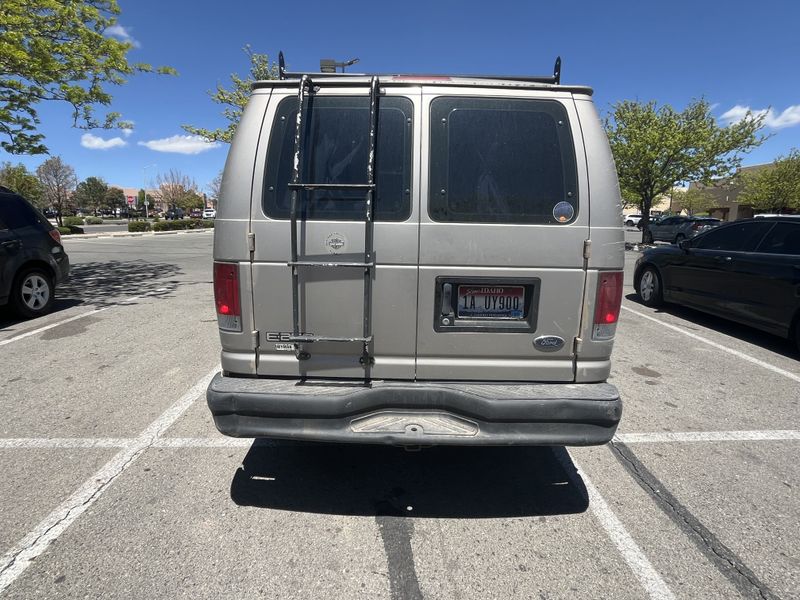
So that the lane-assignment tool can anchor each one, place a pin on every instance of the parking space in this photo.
(117, 485)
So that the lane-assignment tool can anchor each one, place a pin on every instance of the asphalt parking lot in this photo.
(116, 484)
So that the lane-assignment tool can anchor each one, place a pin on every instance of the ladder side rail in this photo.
(368, 222)
(295, 200)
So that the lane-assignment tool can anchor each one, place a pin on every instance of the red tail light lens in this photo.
(607, 305)
(226, 295)
(56, 235)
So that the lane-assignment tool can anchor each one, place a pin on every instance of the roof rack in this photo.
(554, 79)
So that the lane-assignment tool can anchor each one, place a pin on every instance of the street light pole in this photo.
(144, 187)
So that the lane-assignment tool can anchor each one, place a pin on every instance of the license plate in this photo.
(491, 301)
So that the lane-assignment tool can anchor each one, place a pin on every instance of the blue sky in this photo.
(735, 54)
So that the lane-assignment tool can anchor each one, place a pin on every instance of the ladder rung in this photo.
(314, 263)
(331, 186)
(307, 339)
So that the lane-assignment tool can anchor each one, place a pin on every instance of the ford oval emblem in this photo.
(335, 243)
(548, 343)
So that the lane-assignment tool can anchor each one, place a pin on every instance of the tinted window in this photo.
(783, 239)
(501, 161)
(335, 149)
(737, 237)
(16, 212)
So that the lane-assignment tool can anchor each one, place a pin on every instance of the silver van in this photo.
(418, 260)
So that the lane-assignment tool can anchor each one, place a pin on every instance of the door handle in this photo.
(11, 244)
(723, 258)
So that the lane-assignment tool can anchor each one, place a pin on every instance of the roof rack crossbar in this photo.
(554, 79)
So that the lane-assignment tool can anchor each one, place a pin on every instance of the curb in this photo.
(91, 236)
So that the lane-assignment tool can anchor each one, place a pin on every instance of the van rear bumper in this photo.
(416, 413)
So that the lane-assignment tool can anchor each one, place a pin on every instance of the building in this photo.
(133, 193)
(725, 193)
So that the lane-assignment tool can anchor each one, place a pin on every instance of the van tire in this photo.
(648, 286)
(33, 293)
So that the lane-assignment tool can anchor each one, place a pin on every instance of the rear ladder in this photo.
(299, 197)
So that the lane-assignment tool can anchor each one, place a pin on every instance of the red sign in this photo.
(130, 199)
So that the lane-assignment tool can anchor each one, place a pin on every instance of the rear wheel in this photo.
(33, 293)
(679, 238)
(648, 286)
(629, 223)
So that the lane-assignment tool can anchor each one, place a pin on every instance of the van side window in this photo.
(335, 149)
(501, 161)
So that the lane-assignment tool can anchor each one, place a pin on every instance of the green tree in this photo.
(91, 194)
(59, 50)
(58, 182)
(23, 182)
(176, 189)
(657, 148)
(692, 200)
(235, 98)
(775, 189)
(115, 198)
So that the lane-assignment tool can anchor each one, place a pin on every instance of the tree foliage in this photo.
(693, 200)
(235, 98)
(59, 50)
(655, 148)
(775, 189)
(177, 190)
(58, 182)
(115, 198)
(23, 182)
(91, 194)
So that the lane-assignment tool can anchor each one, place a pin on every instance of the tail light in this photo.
(56, 235)
(607, 305)
(226, 295)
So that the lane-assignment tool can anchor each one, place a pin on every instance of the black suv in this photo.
(32, 259)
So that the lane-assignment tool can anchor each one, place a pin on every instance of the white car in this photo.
(209, 213)
(631, 220)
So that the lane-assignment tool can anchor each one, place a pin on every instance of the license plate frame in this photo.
(490, 302)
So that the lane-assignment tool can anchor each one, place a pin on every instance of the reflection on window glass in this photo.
(783, 239)
(335, 149)
(501, 161)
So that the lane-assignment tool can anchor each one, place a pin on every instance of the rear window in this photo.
(15, 212)
(497, 160)
(335, 149)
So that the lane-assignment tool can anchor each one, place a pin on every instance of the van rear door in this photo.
(502, 275)
(335, 150)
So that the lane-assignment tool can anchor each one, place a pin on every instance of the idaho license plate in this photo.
(491, 301)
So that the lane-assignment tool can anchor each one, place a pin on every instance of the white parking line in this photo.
(22, 336)
(25, 443)
(708, 436)
(742, 355)
(636, 559)
(16, 560)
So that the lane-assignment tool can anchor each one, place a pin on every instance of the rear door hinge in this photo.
(251, 242)
(256, 342)
(587, 249)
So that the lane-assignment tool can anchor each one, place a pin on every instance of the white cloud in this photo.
(788, 118)
(94, 142)
(127, 132)
(181, 144)
(121, 33)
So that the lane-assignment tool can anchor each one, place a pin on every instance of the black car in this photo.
(174, 213)
(747, 271)
(32, 259)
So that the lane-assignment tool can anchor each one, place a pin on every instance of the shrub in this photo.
(64, 230)
(208, 223)
(94, 221)
(138, 226)
(73, 221)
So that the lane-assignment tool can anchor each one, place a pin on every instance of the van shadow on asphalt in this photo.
(443, 482)
(773, 343)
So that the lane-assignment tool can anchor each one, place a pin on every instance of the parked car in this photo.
(747, 271)
(195, 213)
(209, 213)
(174, 213)
(32, 260)
(675, 228)
(492, 323)
(631, 220)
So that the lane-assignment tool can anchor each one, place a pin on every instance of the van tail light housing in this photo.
(607, 305)
(227, 296)
(56, 235)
